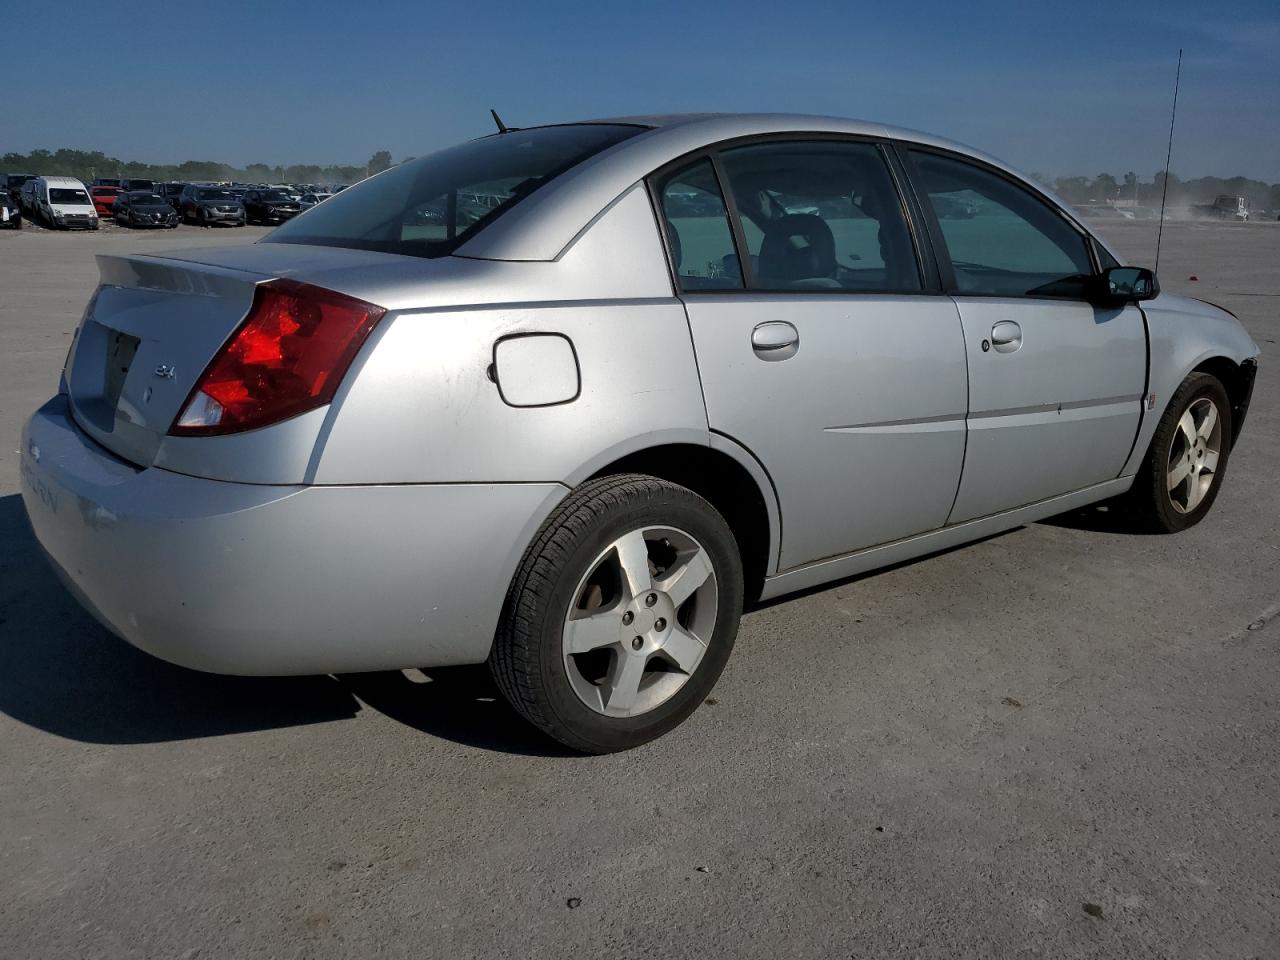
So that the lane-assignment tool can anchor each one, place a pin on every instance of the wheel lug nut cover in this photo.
(650, 600)
(627, 618)
(637, 643)
(660, 624)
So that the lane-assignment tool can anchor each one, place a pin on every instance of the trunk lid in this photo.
(149, 332)
(155, 323)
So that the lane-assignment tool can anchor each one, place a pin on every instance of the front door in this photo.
(819, 347)
(1056, 384)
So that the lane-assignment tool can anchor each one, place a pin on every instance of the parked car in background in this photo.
(13, 183)
(10, 212)
(63, 203)
(209, 205)
(269, 206)
(27, 198)
(338, 187)
(143, 209)
(171, 191)
(309, 200)
(104, 199)
(138, 186)
(105, 182)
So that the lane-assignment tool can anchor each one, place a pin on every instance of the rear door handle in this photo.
(775, 340)
(1006, 336)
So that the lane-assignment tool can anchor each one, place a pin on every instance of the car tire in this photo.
(666, 622)
(1183, 470)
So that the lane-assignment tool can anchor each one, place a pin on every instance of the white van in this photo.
(64, 203)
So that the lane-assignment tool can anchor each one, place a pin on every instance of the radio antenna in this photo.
(1164, 193)
(502, 127)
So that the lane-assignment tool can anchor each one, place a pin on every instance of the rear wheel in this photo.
(1182, 473)
(622, 614)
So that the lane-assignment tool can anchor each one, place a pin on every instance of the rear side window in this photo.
(1003, 240)
(821, 216)
(698, 232)
(430, 206)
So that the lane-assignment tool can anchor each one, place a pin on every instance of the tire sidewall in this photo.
(1193, 388)
(678, 508)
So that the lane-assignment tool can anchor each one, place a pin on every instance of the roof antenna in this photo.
(1168, 157)
(502, 127)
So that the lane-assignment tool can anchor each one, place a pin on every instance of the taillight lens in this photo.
(287, 357)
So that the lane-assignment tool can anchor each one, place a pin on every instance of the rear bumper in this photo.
(253, 579)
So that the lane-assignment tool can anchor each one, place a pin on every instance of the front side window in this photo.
(1003, 240)
(698, 232)
(821, 216)
(430, 206)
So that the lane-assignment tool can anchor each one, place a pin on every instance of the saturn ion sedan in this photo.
(565, 399)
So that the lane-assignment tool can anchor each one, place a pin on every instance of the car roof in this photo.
(543, 225)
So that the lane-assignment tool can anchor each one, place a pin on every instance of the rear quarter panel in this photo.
(421, 406)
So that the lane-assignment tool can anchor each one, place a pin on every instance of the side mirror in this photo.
(1117, 286)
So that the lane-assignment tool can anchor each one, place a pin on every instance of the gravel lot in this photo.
(1060, 742)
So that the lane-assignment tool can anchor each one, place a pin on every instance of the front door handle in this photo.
(1006, 336)
(775, 340)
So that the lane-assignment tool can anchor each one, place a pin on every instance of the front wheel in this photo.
(1182, 473)
(622, 614)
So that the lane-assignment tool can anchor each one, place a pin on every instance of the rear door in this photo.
(1055, 384)
(821, 347)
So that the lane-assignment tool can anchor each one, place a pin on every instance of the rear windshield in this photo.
(57, 195)
(427, 207)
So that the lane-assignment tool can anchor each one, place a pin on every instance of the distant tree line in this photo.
(87, 164)
(1104, 188)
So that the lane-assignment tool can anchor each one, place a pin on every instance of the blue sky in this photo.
(1059, 88)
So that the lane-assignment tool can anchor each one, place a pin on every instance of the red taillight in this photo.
(287, 357)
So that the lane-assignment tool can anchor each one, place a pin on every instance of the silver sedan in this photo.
(566, 399)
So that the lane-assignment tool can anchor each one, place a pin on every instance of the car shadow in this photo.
(62, 672)
(1104, 517)
(875, 572)
(462, 704)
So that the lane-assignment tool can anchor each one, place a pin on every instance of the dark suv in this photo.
(270, 206)
(12, 182)
(171, 191)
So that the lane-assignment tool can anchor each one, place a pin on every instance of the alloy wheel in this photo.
(1194, 454)
(640, 621)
